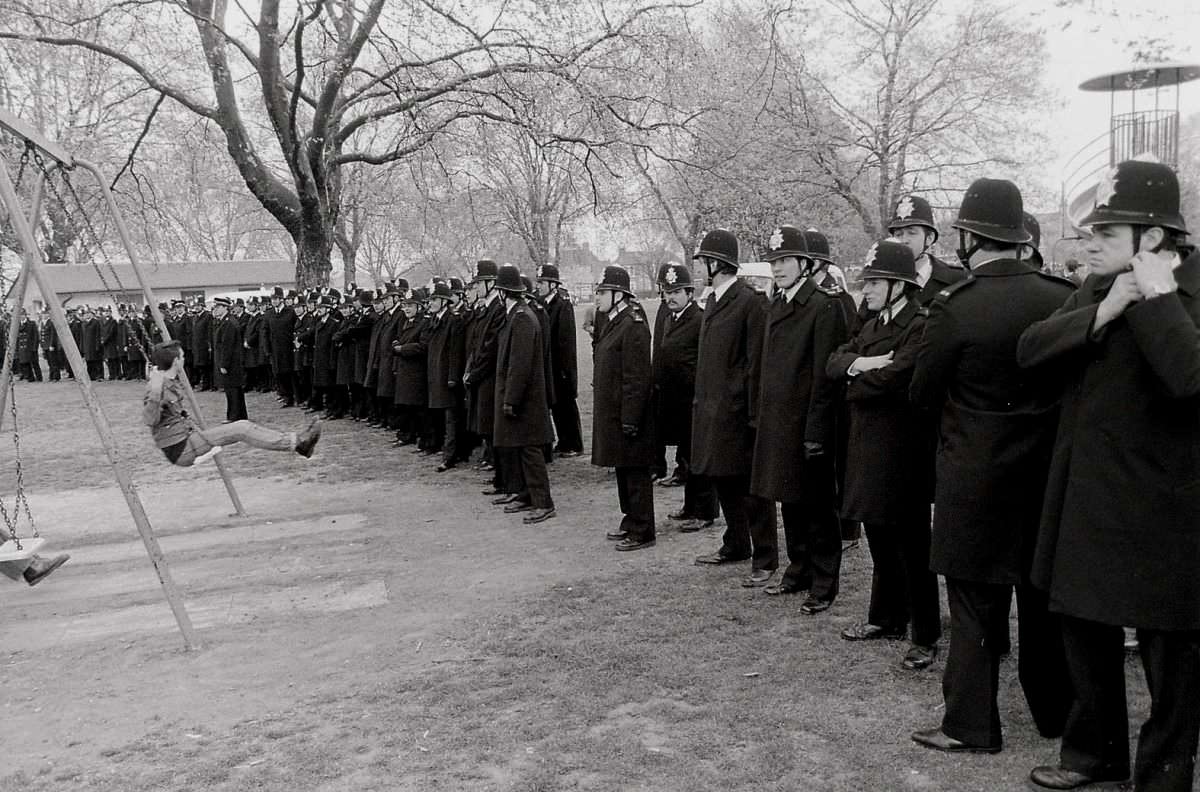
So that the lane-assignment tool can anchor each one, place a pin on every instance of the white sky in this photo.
(1089, 40)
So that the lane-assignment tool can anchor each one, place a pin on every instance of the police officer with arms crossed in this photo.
(996, 432)
(1120, 534)
(623, 415)
(724, 417)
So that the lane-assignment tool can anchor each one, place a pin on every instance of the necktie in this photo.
(710, 302)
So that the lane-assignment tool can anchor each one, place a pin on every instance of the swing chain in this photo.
(21, 503)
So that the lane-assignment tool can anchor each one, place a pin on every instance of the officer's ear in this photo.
(1151, 238)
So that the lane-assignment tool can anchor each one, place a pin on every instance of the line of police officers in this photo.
(1055, 430)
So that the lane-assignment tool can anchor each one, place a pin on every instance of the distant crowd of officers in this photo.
(1009, 430)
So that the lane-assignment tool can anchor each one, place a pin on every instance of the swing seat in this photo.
(29, 548)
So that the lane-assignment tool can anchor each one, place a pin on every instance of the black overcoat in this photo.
(252, 351)
(543, 317)
(371, 381)
(344, 351)
(484, 331)
(520, 379)
(108, 338)
(202, 333)
(227, 354)
(797, 399)
(362, 335)
(623, 389)
(27, 341)
(564, 361)
(410, 355)
(1120, 529)
(306, 337)
(90, 344)
(889, 460)
(996, 420)
(941, 275)
(731, 335)
(135, 337)
(324, 359)
(281, 335)
(444, 359)
(385, 375)
(676, 344)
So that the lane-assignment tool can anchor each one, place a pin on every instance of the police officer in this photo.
(724, 415)
(676, 347)
(1118, 542)
(229, 374)
(623, 413)
(563, 360)
(521, 420)
(997, 427)
(394, 322)
(889, 481)
(912, 223)
(483, 333)
(797, 408)
(280, 329)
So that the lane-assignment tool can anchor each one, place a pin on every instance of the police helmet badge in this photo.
(872, 252)
(672, 276)
(905, 208)
(1107, 188)
(540, 269)
(776, 240)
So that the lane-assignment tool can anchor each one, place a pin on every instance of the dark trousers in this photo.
(902, 587)
(95, 370)
(285, 386)
(567, 425)
(635, 491)
(54, 366)
(1096, 740)
(699, 494)
(337, 400)
(316, 396)
(235, 404)
(978, 631)
(204, 376)
(451, 433)
(750, 527)
(813, 534)
(303, 384)
(527, 474)
(435, 425)
(359, 403)
(814, 548)
(114, 367)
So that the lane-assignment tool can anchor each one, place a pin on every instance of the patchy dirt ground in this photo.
(374, 625)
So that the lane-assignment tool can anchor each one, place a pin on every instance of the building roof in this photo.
(75, 278)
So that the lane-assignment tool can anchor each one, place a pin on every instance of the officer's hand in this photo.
(223, 371)
(873, 362)
(451, 384)
(466, 379)
(1155, 273)
(813, 450)
(1124, 293)
(629, 430)
(510, 411)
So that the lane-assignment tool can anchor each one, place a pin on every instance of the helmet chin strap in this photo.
(889, 301)
(963, 252)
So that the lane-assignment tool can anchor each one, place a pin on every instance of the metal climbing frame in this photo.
(33, 268)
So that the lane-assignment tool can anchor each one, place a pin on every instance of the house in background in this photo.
(79, 284)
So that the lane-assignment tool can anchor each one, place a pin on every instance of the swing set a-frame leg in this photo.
(8, 197)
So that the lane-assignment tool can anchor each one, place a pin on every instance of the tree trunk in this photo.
(313, 245)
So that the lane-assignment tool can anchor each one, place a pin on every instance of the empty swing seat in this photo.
(29, 548)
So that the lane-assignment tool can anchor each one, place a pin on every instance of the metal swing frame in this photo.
(32, 267)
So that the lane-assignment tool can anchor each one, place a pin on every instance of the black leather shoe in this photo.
(442, 468)
(629, 543)
(865, 631)
(680, 515)
(306, 441)
(1062, 778)
(507, 499)
(670, 482)
(616, 536)
(540, 515)
(785, 587)
(918, 657)
(757, 578)
(719, 558)
(812, 606)
(940, 741)
(518, 506)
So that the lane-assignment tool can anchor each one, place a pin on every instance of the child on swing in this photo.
(181, 441)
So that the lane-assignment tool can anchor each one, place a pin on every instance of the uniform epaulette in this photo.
(954, 288)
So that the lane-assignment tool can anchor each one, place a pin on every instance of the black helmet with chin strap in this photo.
(719, 245)
(991, 209)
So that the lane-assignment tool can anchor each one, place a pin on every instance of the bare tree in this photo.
(340, 81)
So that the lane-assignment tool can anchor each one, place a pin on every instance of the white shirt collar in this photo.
(790, 293)
(886, 316)
(924, 270)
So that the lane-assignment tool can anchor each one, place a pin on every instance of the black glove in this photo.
(629, 430)
(510, 411)
(813, 450)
